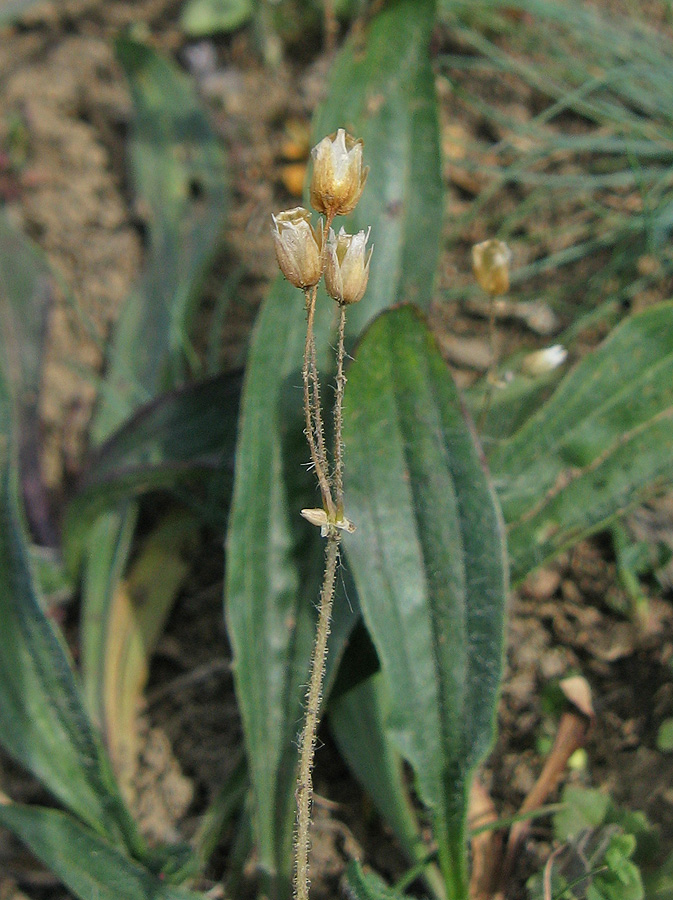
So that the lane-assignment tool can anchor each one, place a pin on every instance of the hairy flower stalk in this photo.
(490, 262)
(304, 255)
(315, 431)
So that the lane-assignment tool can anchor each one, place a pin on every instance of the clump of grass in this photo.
(591, 170)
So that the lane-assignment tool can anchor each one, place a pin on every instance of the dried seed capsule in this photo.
(338, 178)
(490, 261)
(347, 269)
(298, 247)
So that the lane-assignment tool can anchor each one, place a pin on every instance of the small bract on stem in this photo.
(304, 255)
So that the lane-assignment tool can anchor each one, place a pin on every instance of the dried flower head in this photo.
(347, 270)
(298, 247)
(490, 261)
(338, 178)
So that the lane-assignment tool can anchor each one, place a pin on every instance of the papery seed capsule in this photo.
(338, 177)
(490, 262)
(298, 247)
(347, 269)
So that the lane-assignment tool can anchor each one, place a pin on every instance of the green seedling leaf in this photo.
(183, 435)
(381, 88)
(200, 18)
(367, 885)
(596, 865)
(581, 808)
(586, 808)
(600, 443)
(622, 880)
(429, 565)
(25, 295)
(178, 172)
(87, 865)
(42, 720)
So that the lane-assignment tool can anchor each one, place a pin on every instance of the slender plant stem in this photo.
(312, 412)
(490, 373)
(338, 415)
(315, 433)
(304, 791)
(316, 405)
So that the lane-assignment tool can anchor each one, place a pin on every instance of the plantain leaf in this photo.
(382, 90)
(601, 443)
(178, 170)
(86, 864)
(183, 435)
(42, 720)
(373, 759)
(382, 86)
(358, 720)
(429, 565)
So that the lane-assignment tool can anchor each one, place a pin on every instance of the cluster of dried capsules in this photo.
(303, 253)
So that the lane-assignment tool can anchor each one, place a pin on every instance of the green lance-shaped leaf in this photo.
(358, 721)
(600, 443)
(429, 565)
(43, 724)
(382, 86)
(26, 293)
(87, 865)
(180, 437)
(383, 92)
(178, 171)
(42, 720)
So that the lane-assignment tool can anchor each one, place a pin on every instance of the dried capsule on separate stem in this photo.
(490, 262)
